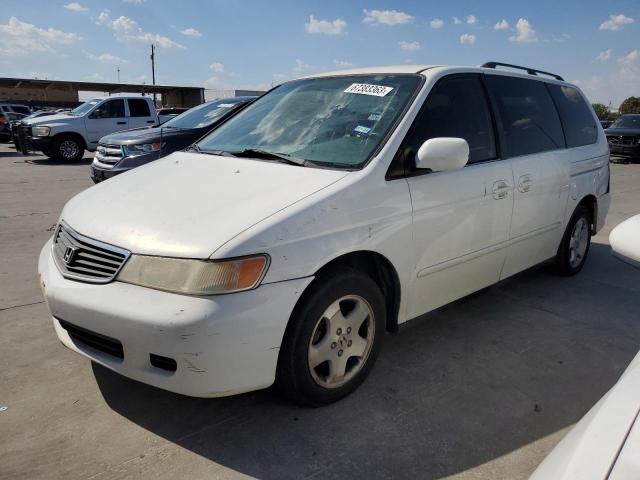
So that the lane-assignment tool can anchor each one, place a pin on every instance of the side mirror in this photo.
(442, 154)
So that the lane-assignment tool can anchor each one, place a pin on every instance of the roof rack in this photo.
(530, 71)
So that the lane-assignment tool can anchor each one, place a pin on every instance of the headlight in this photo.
(40, 131)
(195, 277)
(140, 149)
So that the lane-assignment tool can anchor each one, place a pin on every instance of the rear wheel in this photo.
(68, 149)
(333, 339)
(574, 247)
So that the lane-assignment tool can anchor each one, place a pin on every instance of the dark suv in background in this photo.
(624, 136)
(122, 151)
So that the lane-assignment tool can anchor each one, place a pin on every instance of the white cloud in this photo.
(436, 23)
(604, 56)
(622, 82)
(341, 64)
(137, 2)
(94, 77)
(22, 38)
(127, 30)
(471, 19)
(467, 39)
(191, 32)
(386, 17)
(501, 25)
(325, 27)
(217, 67)
(76, 7)
(409, 46)
(524, 32)
(106, 58)
(456, 21)
(301, 67)
(616, 22)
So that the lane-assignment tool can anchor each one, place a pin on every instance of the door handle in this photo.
(122, 123)
(500, 189)
(524, 183)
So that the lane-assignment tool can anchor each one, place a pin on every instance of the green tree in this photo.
(602, 111)
(630, 105)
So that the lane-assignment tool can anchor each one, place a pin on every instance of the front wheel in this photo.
(67, 149)
(333, 338)
(574, 247)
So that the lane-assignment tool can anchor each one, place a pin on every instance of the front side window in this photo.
(456, 107)
(334, 121)
(530, 121)
(109, 109)
(579, 124)
(138, 107)
(21, 109)
(202, 115)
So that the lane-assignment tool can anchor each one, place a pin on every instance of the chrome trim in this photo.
(91, 242)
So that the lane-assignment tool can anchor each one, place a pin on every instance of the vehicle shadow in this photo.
(455, 389)
(48, 161)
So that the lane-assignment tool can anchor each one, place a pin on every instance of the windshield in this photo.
(627, 121)
(85, 107)
(333, 121)
(202, 115)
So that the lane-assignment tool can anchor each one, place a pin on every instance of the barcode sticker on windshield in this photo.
(366, 89)
(226, 105)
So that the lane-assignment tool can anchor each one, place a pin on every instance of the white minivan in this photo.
(65, 136)
(284, 244)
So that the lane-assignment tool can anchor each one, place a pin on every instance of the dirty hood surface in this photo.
(188, 204)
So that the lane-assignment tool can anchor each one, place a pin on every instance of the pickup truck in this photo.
(67, 135)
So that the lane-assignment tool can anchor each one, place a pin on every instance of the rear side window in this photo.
(138, 107)
(21, 109)
(578, 121)
(456, 107)
(530, 121)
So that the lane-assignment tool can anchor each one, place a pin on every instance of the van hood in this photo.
(188, 204)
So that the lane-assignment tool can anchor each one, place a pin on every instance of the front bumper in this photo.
(222, 345)
(26, 143)
(102, 171)
(625, 150)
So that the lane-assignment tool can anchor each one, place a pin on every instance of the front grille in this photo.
(109, 155)
(622, 140)
(82, 258)
(97, 341)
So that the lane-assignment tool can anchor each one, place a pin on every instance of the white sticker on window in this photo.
(375, 117)
(362, 129)
(226, 105)
(366, 89)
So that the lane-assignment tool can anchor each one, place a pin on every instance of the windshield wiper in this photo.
(221, 153)
(282, 157)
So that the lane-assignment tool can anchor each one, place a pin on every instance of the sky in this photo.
(226, 44)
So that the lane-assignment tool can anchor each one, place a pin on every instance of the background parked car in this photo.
(624, 136)
(166, 114)
(6, 107)
(65, 136)
(123, 151)
(6, 120)
(606, 123)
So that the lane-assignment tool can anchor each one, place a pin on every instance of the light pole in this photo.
(118, 70)
(153, 72)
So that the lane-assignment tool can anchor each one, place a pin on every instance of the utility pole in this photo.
(118, 69)
(153, 71)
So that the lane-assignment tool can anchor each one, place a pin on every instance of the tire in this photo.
(323, 326)
(67, 149)
(575, 244)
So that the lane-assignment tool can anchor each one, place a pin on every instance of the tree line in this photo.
(630, 105)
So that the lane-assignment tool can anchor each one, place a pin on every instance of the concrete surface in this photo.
(481, 389)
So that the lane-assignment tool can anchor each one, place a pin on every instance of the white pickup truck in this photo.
(67, 135)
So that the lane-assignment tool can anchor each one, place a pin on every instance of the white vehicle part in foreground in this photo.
(605, 443)
(625, 241)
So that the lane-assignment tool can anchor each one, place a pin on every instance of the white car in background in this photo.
(282, 245)
(65, 136)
